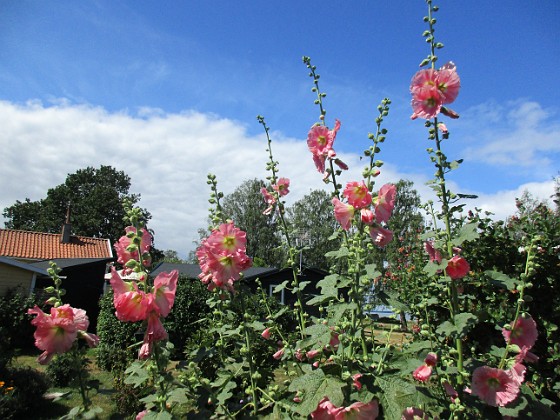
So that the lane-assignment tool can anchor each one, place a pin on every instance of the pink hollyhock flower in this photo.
(433, 253)
(381, 236)
(422, 373)
(449, 112)
(155, 331)
(448, 82)
(326, 410)
(131, 304)
(334, 341)
(426, 97)
(123, 255)
(359, 411)
(367, 216)
(266, 334)
(524, 333)
(141, 414)
(278, 355)
(357, 194)
(413, 413)
(57, 331)
(269, 199)
(517, 372)
(457, 267)
(320, 142)
(282, 187)
(385, 202)
(343, 213)
(356, 381)
(165, 286)
(431, 359)
(496, 387)
(312, 354)
(227, 238)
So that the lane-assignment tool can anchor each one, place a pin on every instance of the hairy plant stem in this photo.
(249, 358)
(285, 230)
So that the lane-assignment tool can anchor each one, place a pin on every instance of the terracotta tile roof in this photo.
(39, 246)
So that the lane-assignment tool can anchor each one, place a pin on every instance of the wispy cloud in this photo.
(520, 134)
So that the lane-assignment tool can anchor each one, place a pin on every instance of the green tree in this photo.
(245, 206)
(96, 197)
(312, 220)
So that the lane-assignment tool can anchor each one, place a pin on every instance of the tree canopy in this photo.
(95, 196)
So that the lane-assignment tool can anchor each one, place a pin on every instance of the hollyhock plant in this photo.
(57, 331)
(357, 194)
(457, 267)
(343, 213)
(124, 243)
(524, 333)
(494, 386)
(385, 202)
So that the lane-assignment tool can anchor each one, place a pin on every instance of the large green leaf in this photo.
(315, 386)
(463, 322)
(467, 233)
(398, 394)
(501, 280)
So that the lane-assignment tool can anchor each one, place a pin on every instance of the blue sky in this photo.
(97, 79)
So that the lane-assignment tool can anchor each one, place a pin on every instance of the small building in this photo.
(25, 257)
(269, 278)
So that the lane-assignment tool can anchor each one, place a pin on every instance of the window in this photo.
(278, 295)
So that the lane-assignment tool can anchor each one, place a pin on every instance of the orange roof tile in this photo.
(42, 246)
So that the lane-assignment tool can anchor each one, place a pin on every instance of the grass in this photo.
(55, 409)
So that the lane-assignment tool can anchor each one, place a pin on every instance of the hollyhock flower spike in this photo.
(124, 255)
(357, 194)
(524, 333)
(494, 386)
(343, 213)
(457, 267)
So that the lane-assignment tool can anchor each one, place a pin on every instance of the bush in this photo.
(114, 352)
(15, 325)
(22, 392)
(62, 369)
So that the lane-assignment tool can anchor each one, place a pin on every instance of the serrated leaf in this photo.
(467, 233)
(432, 268)
(337, 311)
(280, 287)
(340, 253)
(463, 322)
(319, 336)
(398, 394)
(372, 271)
(315, 386)
(136, 374)
(303, 284)
(179, 396)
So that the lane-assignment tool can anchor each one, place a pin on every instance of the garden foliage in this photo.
(484, 343)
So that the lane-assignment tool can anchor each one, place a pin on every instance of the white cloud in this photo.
(521, 134)
(168, 157)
